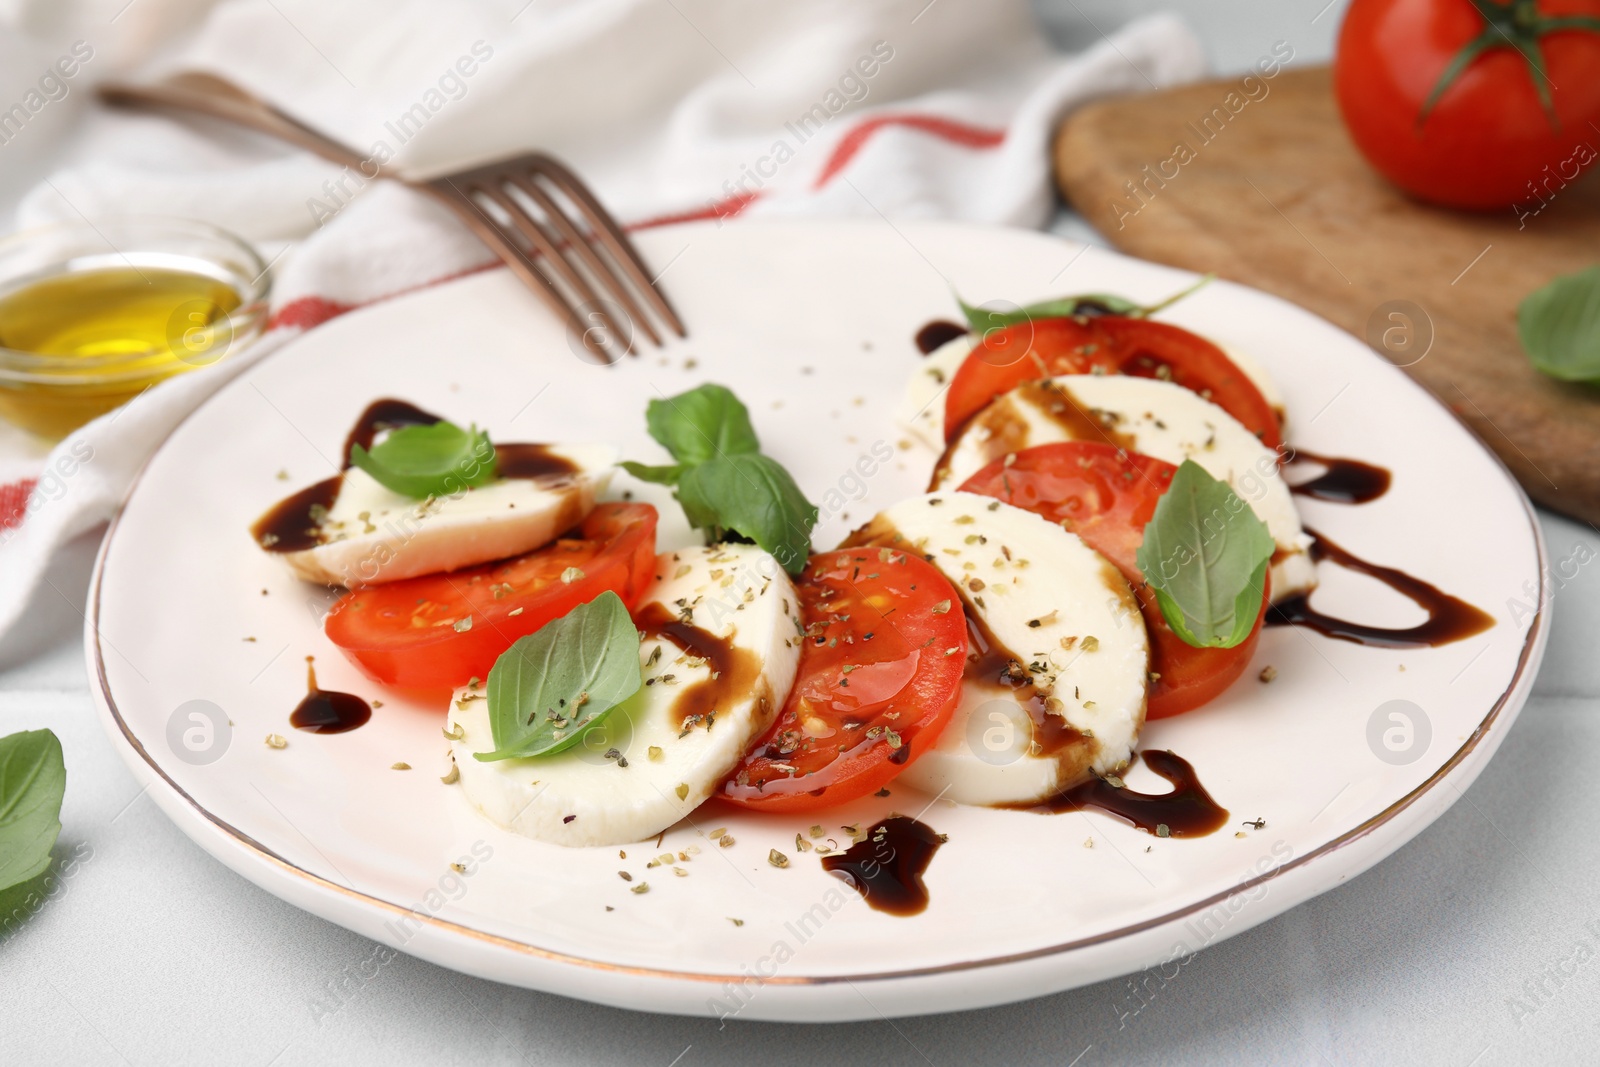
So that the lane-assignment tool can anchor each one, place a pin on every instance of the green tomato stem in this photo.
(1514, 24)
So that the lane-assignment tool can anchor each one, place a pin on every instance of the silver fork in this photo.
(560, 261)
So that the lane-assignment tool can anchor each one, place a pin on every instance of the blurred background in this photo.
(1234, 33)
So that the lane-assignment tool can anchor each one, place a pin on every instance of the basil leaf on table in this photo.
(702, 424)
(32, 781)
(1205, 554)
(551, 686)
(752, 495)
(1559, 327)
(423, 461)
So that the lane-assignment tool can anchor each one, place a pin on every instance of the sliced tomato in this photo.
(441, 630)
(1106, 497)
(880, 676)
(1105, 344)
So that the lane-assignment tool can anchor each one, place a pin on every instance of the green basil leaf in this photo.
(983, 319)
(724, 484)
(32, 781)
(424, 461)
(1247, 606)
(660, 475)
(752, 495)
(1205, 554)
(702, 424)
(551, 686)
(1559, 326)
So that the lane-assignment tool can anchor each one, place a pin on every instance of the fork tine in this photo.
(490, 233)
(609, 233)
(489, 185)
(585, 251)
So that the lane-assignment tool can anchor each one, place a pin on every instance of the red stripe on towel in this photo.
(949, 129)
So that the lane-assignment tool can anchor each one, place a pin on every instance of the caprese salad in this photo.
(1104, 530)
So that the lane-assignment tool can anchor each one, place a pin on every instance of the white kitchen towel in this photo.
(670, 109)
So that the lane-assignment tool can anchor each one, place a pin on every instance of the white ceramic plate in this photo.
(811, 324)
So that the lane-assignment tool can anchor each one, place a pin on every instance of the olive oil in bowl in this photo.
(89, 330)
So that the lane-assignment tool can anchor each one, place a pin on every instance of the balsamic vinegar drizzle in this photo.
(1343, 481)
(324, 711)
(384, 414)
(291, 525)
(937, 334)
(886, 865)
(1449, 618)
(535, 462)
(990, 661)
(1186, 811)
(734, 670)
(294, 523)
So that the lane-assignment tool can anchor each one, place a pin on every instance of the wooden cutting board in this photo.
(1279, 199)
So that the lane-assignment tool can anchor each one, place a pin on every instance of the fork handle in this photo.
(210, 95)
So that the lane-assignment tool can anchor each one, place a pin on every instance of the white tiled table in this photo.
(1464, 948)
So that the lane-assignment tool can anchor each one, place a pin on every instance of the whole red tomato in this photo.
(1444, 96)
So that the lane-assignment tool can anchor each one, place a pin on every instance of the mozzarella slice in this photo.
(1145, 415)
(1261, 380)
(921, 410)
(372, 534)
(663, 761)
(1055, 683)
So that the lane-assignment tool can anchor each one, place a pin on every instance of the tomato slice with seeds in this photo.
(879, 677)
(1106, 496)
(1105, 344)
(411, 633)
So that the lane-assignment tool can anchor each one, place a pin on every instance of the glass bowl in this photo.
(93, 313)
